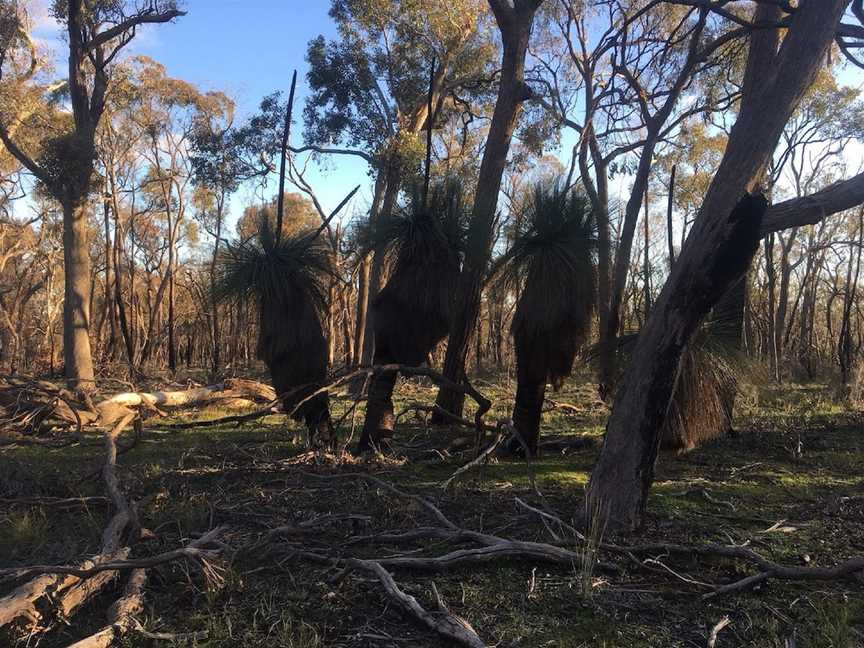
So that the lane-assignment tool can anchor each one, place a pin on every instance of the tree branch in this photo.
(119, 30)
(332, 151)
(811, 209)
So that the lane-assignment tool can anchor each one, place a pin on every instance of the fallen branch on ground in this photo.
(38, 401)
(492, 547)
(505, 432)
(121, 615)
(66, 588)
(715, 631)
(195, 550)
(444, 623)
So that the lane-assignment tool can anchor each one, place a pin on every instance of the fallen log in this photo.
(121, 615)
(28, 403)
(67, 590)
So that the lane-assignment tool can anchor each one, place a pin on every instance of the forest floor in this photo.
(791, 485)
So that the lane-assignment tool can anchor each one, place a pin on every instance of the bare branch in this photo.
(815, 207)
(122, 29)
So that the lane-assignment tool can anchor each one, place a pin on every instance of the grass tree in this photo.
(412, 311)
(286, 278)
(553, 262)
(780, 69)
(712, 367)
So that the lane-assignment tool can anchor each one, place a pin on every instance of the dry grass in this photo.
(254, 478)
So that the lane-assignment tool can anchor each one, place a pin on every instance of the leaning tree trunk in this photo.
(717, 253)
(389, 192)
(76, 303)
(515, 25)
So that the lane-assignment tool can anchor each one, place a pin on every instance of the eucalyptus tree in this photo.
(371, 93)
(634, 74)
(218, 170)
(515, 22)
(167, 112)
(810, 157)
(732, 220)
(97, 32)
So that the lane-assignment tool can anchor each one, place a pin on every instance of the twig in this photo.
(545, 515)
(481, 458)
(170, 636)
(447, 625)
(194, 551)
(715, 632)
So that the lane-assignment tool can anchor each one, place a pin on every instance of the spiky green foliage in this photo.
(266, 271)
(423, 244)
(286, 280)
(552, 259)
(412, 312)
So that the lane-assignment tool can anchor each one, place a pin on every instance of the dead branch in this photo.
(195, 550)
(120, 615)
(445, 624)
(493, 547)
(190, 637)
(68, 591)
(715, 631)
(767, 569)
(483, 403)
(437, 409)
(49, 401)
(55, 502)
(545, 515)
(704, 494)
(481, 458)
(269, 409)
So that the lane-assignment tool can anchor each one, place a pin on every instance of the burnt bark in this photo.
(717, 253)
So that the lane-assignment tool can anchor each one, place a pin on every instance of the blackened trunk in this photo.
(380, 420)
(527, 412)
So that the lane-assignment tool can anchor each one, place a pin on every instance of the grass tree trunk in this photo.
(716, 255)
(76, 305)
(515, 25)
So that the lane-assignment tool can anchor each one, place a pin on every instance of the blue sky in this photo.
(247, 48)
